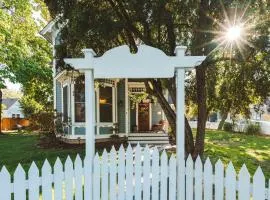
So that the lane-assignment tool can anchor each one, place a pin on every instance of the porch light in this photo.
(102, 101)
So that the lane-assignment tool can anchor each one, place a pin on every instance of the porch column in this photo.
(89, 113)
(126, 107)
(180, 126)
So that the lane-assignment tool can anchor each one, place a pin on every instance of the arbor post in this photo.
(89, 127)
(180, 126)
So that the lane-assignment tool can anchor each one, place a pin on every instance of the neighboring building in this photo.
(115, 112)
(12, 116)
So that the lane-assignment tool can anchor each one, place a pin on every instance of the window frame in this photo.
(73, 106)
(68, 101)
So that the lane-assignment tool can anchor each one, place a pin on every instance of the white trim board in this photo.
(148, 62)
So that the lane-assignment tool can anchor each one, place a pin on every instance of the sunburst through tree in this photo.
(234, 32)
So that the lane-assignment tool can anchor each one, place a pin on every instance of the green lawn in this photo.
(239, 148)
(23, 148)
(254, 151)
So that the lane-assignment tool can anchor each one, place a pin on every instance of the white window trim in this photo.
(66, 84)
(100, 124)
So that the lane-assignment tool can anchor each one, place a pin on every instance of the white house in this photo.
(12, 108)
(12, 116)
(115, 111)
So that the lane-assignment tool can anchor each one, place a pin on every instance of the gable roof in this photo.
(47, 31)
(9, 102)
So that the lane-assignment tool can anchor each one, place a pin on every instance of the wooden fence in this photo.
(133, 174)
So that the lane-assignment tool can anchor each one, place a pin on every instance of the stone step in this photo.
(148, 138)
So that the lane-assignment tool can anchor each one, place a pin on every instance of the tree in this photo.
(25, 57)
(102, 25)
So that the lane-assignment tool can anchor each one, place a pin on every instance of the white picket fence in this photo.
(140, 174)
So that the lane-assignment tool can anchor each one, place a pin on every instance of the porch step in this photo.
(148, 138)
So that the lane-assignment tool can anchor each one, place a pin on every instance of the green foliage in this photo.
(30, 106)
(43, 121)
(234, 79)
(253, 129)
(25, 57)
(136, 98)
(228, 127)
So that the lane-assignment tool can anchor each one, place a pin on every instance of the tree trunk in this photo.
(200, 38)
(171, 116)
(202, 111)
(223, 118)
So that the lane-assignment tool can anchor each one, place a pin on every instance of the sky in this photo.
(12, 86)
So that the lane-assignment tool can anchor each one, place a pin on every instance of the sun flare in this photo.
(233, 33)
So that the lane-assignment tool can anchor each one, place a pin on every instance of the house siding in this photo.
(121, 107)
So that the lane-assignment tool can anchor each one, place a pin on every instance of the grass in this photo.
(254, 151)
(22, 148)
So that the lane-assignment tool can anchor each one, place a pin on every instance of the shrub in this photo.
(253, 129)
(228, 126)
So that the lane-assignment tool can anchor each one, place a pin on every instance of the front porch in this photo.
(117, 111)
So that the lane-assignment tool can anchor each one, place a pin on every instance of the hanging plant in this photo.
(136, 98)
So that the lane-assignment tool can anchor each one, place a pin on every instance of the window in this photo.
(65, 103)
(79, 100)
(13, 115)
(105, 104)
(18, 115)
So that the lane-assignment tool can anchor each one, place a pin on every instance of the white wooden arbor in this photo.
(148, 62)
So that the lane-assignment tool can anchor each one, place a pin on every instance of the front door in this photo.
(143, 116)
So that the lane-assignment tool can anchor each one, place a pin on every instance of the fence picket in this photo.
(88, 169)
(138, 173)
(5, 184)
(244, 184)
(172, 178)
(198, 179)
(69, 179)
(219, 180)
(164, 176)
(46, 181)
(121, 173)
(33, 176)
(120, 176)
(268, 190)
(189, 178)
(58, 179)
(78, 170)
(104, 176)
(155, 174)
(208, 180)
(96, 177)
(129, 173)
(258, 185)
(146, 173)
(19, 183)
(113, 174)
(230, 183)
